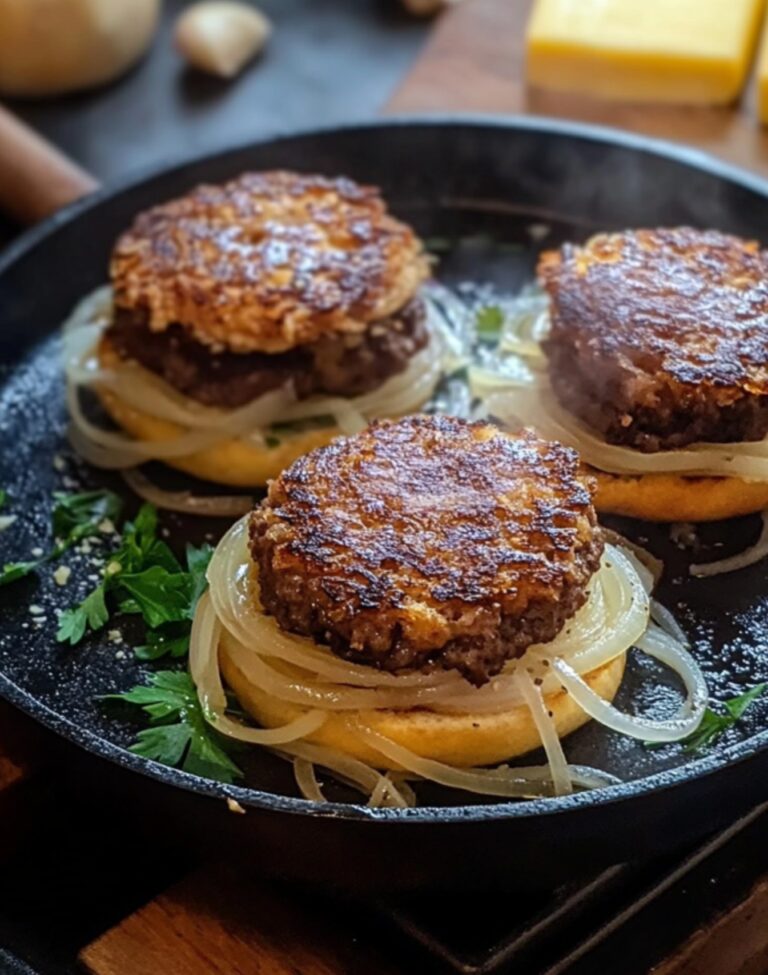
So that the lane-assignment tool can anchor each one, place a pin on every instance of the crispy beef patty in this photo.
(659, 338)
(428, 542)
(269, 261)
(343, 365)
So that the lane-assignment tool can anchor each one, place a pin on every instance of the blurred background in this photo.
(325, 61)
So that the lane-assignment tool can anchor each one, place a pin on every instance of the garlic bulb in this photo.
(55, 46)
(221, 36)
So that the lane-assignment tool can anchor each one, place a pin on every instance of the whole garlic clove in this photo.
(221, 36)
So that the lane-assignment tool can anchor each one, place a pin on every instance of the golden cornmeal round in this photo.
(464, 740)
(673, 497)
(268, 261)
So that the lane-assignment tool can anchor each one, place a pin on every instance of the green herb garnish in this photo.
(438, 245)
(3, 497)
(79, 516)
(179, 734)
(12, 571)
(75, 517)
(714, 724)
(145, 578)
(489, 321)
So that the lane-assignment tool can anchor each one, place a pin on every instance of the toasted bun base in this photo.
(231, 462)
(463, 740)
(671, 497)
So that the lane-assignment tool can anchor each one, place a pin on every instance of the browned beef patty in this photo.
(659, 338)
(428, 542)
(343, 365)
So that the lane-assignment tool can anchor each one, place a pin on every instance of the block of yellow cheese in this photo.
(692, 52)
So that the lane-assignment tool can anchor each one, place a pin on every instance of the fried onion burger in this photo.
(249, 322)
(657, 370)
(426, 599)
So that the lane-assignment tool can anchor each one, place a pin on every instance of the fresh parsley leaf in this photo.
(736, 706)
(489, 322)
(178, 734)
(78, 516)
(166, 743)
(714, 724)
(144, 577)
(12, 571)
(197, 565)
(459, 375)
(75, 517)
(91, 614)
(141, 548)
(438, 245)
(161, 596)
(167, 641)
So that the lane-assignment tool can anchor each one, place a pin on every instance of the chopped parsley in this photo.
(714, 724)
(75, 517)
(178, 733)
(12, 571)
(143, 577)
(489, 322)
(438, 245)
(80, 516)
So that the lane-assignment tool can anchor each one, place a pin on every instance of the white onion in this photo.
(659, 645)
(749, 556)
(505, 781)
(304, 773)
(553, 747)
(666, 620)
(534, 403)
(217, 506)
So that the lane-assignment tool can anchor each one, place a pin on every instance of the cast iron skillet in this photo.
(480, 184)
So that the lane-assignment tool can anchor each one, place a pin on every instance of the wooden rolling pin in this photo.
(36, 178)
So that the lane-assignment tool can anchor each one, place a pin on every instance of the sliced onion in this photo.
(505, 781)
(646, 729)
(749, 556)
(304, 773)
(666, 620)
(534, 403)
(350, 770)
(204, 669)
(216, 506)
(553, 747)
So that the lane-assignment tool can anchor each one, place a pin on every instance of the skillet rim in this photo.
(660, 782)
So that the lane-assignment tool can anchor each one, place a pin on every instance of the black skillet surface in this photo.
(490, 189)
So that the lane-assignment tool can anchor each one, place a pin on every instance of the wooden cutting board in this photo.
(475, 62)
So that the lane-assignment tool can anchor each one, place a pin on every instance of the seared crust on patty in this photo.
(659, 338)
(339, 365)
(268, 261)
(428, 542)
